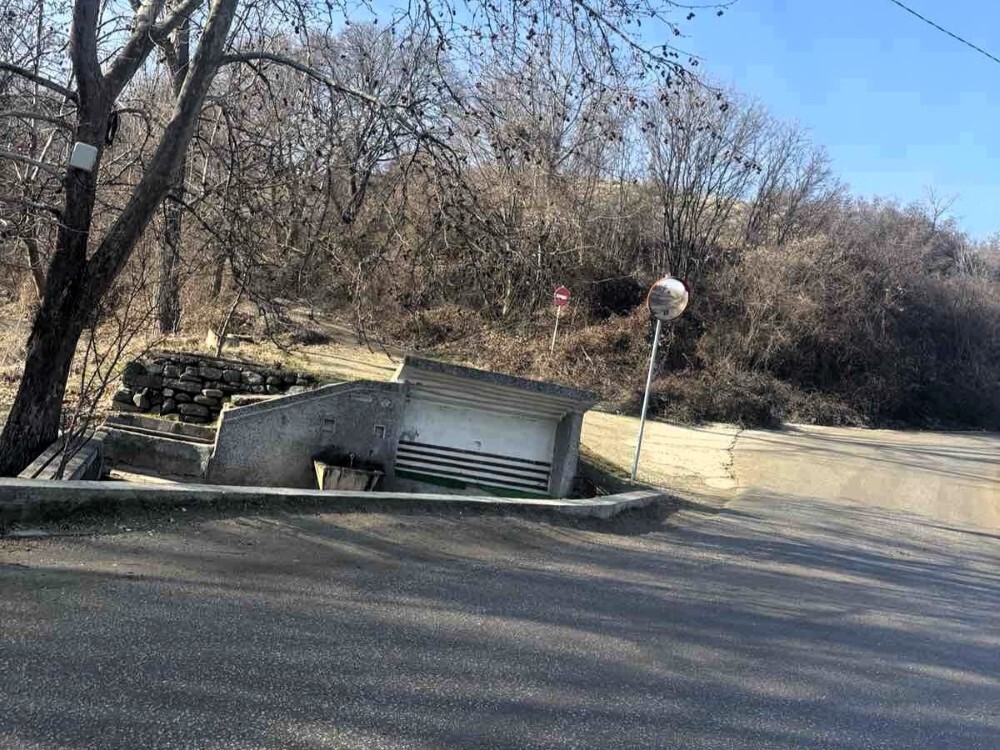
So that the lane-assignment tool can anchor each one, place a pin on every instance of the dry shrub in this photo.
(749, 399)
(850, 330)
(433, 327)
(860, 328)
(949, 355)
(607, 358)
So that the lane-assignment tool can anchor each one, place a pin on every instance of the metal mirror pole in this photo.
(555, 331)
(645, 398)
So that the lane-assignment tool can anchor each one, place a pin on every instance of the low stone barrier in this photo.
(196, 386)
(32, 500)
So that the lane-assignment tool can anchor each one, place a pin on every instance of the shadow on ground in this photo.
(779, 622)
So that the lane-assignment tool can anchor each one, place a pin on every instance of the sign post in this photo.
(560, 298)
(645, 399)
(667, 300)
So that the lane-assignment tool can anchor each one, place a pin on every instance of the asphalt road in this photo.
(779, 622)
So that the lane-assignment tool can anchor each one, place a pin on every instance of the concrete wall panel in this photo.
(272, 444)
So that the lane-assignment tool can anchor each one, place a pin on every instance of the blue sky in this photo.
(899, 106)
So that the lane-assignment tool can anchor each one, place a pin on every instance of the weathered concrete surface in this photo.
(777, 624)
(412, 367)
(25, 500)
(165, 426)
(566, 455)
(169, 455)
(273, 443)
(693, 459)
(953, 477)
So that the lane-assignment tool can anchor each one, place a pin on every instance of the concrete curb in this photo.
(30, 500)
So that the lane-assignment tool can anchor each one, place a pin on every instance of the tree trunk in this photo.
(33, 422)
(35, 260)
(220, 270)
(168, 302)
(75, 284)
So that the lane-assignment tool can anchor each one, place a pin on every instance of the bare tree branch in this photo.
(120, 240)
(26, 115)
(178, 16)
(50, 168)
(394, 110)
(39, 79)
(17, 200)
(147, 34)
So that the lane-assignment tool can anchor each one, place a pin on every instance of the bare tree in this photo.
(110, 44)
(77, 279)
(794, 187)
(176, 49)
(116, 333)
(32, 129)
(702, 166)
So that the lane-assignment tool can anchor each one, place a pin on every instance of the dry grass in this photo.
(340, 357)
(14, 321)
(325, 349)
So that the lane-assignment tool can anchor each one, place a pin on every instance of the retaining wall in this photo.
(196, 386)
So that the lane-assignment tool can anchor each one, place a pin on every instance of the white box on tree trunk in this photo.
(84, 156)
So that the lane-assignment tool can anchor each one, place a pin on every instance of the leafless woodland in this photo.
(429, 172)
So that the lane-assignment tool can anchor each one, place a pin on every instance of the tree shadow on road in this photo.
(792, 624)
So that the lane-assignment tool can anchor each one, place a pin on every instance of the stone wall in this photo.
(195, 386)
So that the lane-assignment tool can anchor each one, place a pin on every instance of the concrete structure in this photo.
(33, 500)
(86, 459)
(272, 443)
(473, 430)
(168, 449)
(434, 426)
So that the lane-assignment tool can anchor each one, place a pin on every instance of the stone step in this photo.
(169, 455)
(167, 427)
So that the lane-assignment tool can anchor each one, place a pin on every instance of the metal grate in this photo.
(472, 467)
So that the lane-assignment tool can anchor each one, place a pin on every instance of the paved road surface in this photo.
(780, 622)
(953, 477)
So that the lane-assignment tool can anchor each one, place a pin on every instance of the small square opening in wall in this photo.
(329, 424)
(380, 430)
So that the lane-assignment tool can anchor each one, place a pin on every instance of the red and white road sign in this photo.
(560, 297)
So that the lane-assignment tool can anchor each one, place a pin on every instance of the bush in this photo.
(879, 319)
(616, 296)
(745, 398)
(433, 327)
